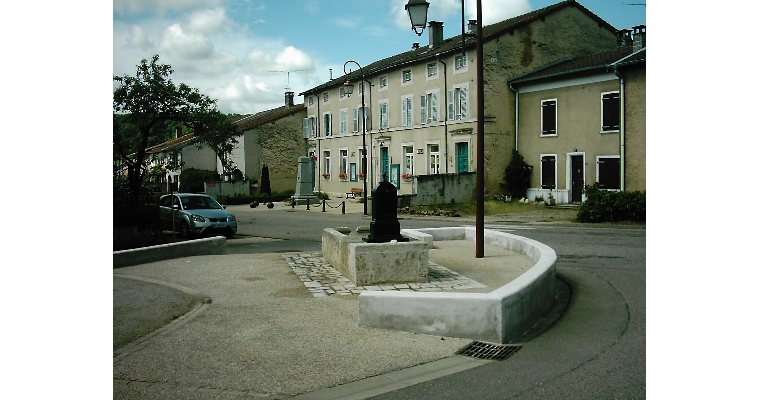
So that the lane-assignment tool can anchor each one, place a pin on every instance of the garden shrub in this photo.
(191, 179)
(612, 206)
(516, 176)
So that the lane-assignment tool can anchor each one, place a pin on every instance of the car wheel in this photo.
(229, 234)
(184, 230)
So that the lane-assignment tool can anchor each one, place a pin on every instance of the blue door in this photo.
(463, 157)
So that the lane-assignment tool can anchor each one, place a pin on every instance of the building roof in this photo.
(243, 123)
(598, 62)
(454, 44)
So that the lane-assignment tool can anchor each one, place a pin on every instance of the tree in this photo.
(517, 176)
(148, 102)
(216, 130)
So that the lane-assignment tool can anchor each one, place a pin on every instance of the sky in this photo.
(245, 53)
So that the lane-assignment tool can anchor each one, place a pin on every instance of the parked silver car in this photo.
(195, 214)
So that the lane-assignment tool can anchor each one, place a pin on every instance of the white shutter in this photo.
(423, 109)
(356, 120)
(434, 107)
(451, 105)
(463, 103)
(306, 128)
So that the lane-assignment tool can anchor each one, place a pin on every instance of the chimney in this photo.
(415, 45)
(639, 37)
(472, 26)
(289, 99)
(624, 38)
(436, 33)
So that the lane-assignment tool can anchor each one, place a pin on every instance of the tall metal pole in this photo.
(364, 135)
(480, 181)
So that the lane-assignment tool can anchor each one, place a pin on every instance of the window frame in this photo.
(327, 126)
(604, 107)
(434, 159)
(428, 112)
(407, 149)
(407, 111)
(460, 67)
(542, 174)
(343, 167)
(434, 74)
(404, 80)
(382, 83)
(454, 107)
(325, 97)
(326, 162)
(383, 114)
(616, 179)
(545, 106)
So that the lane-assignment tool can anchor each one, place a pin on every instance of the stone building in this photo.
(420, 104)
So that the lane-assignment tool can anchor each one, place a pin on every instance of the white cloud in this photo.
(192, 46)
(160, 6)
(493, 10)
(293, 59)
(210, 21)
(139, 39)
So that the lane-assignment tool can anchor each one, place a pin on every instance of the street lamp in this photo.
(417, 10)
(413, 7)
(349, 89)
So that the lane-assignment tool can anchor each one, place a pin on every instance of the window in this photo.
(383, 115)
(429, 108)
(548, 117)
(326, 158)
(408, 161)
(313, 125)
(460, 63)
(435, 159)
(344, 163)
(406, 76)
(458, 103)
(327, 124)
(342, 92)
(610, 111)
(358, 125)
(325, 97)
(432, 70)
(311, 100)
(308, 127)
(383, 82)
(548, 171)
(608, 172)
(343, 121)
(406, 111)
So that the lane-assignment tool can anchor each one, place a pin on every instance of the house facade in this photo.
(420, 114)
(583, 120)
(272, 138)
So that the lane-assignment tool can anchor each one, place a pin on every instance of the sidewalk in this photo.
(269, 333)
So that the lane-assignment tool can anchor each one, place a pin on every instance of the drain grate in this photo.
(489, 351)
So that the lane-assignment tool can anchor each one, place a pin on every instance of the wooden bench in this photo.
(354, 192)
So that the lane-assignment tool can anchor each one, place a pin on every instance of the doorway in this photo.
(576, 176)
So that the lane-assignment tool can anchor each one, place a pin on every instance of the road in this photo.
(597, 349)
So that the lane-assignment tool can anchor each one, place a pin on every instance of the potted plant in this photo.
(407, 176)
(361, 175)
(551, 201)
(343, 176)
(326, 175)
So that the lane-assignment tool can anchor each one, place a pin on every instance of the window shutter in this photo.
(463, 103)
(404, 109)
(549, 119)
(356, 120)
(306, 128)
(451, 105)
(434, 107)
(423, 109)
(547, 172)
(611, 112)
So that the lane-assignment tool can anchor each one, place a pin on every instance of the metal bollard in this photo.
(344, 206)
(324, 203)
(307, 204)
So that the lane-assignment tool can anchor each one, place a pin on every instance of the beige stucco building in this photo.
(420, 105)
(582, 121)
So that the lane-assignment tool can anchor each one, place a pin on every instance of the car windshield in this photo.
(199, 203)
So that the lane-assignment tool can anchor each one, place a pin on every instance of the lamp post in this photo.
(349, 88)
(417, 10)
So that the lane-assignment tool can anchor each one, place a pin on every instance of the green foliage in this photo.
(149, 104)
(216, 130)
(517, 176)
(191, 179)
(612, 206)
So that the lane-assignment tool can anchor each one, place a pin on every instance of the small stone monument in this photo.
(384, 226)
(305, 183)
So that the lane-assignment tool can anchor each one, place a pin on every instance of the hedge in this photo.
(612, 206)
